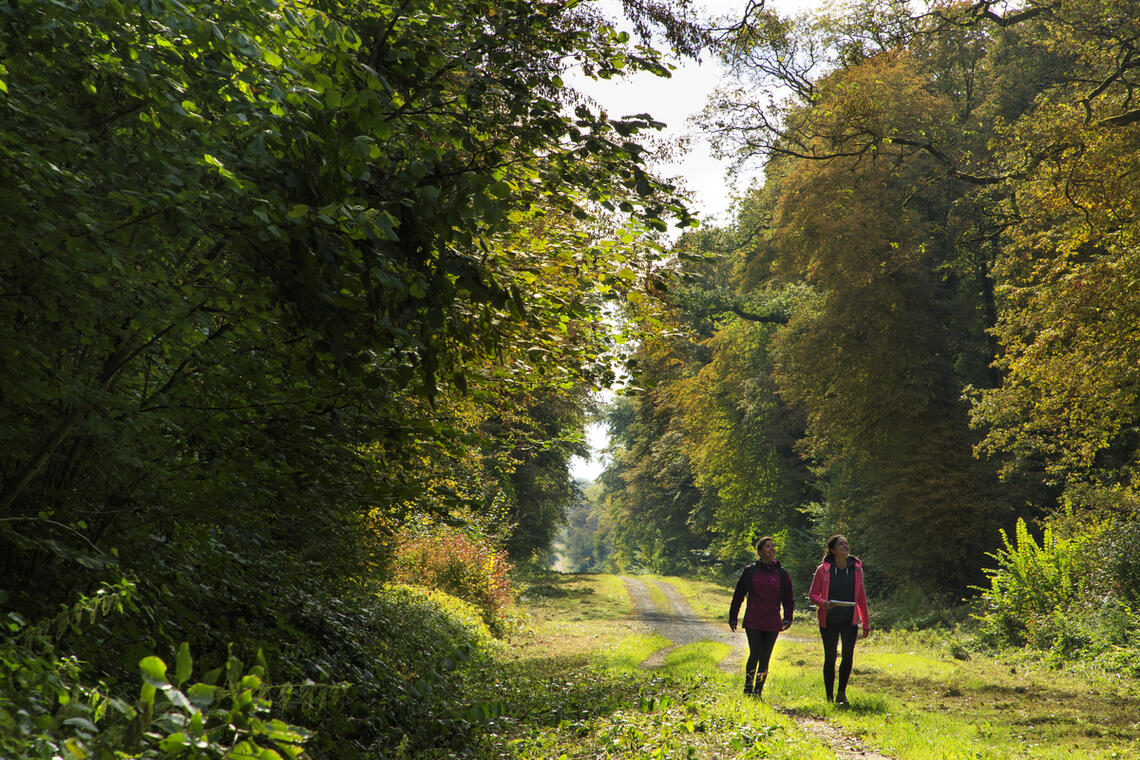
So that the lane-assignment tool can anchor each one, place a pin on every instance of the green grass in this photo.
(631, 651)
(576, 690)
(656, 595)
(919, 703)
(696, 659)
(709, 600)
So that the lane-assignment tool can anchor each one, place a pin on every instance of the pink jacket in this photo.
(819, 597)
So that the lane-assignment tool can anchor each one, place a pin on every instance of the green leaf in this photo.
(201, 695)
(76, 749)
(173, 744)
(245, 751)
(185, 665)
(146, 695)
(153, 671)
(83, 724)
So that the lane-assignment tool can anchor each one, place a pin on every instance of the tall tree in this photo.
(876, 156)
(254, 252)
(1068, 265)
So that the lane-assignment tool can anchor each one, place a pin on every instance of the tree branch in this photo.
(1121, 120)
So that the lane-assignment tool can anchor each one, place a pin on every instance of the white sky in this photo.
(675, 101)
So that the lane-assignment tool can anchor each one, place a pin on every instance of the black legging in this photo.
(760, 645)
(831, 636)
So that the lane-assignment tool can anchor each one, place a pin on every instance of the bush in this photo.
(400, 671)
(911, 608)
(1030, 582)
(424, 626)
(1071, 595)
(462, 565)
(437, 647)
(393, 670)
(48, 710)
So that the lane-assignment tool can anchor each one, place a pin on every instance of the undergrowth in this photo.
(402, 671)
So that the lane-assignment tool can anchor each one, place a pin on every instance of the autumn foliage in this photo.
(461, 564)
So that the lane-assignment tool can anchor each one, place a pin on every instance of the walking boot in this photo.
(748, 680)
(758, 689)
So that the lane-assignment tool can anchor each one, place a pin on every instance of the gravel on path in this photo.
(681, 625)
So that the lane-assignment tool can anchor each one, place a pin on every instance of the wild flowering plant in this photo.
(466, 566)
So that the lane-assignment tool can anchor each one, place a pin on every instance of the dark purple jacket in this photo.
(768, 587)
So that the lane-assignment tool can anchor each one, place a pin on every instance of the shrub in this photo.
(1071, 594)
(911, 608)
(437, 649)
(424, 626)
(1030, 582)
(47, 710)
(462, 565)
(394, 669)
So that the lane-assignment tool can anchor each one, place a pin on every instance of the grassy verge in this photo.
(924, 695)
(708, 600)
(913, 698)
(576, 691)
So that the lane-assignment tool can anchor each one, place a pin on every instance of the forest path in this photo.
(682, 626)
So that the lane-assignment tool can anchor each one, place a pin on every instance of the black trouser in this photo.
(831, 636)
(760, 645)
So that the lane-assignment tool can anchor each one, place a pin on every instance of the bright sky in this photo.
(675, 101)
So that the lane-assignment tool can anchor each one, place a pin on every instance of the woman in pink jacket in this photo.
(841, 603)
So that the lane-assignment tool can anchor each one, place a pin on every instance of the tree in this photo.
(578, 548)
(263, 266)
(876, 161)
(1068, 311)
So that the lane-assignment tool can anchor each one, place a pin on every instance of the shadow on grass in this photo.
(859, 705)
(865, 705)
(545, 691)
(1024, 704)
(551, 591)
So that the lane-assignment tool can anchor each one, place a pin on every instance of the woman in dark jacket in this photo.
(838, 594)
(768, 588)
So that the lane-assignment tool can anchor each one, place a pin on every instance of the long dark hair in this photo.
(829, 554)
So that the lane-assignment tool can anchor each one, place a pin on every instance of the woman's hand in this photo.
(733, 627)
(786, 625)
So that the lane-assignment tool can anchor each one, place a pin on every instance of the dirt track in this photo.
(682, 626)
